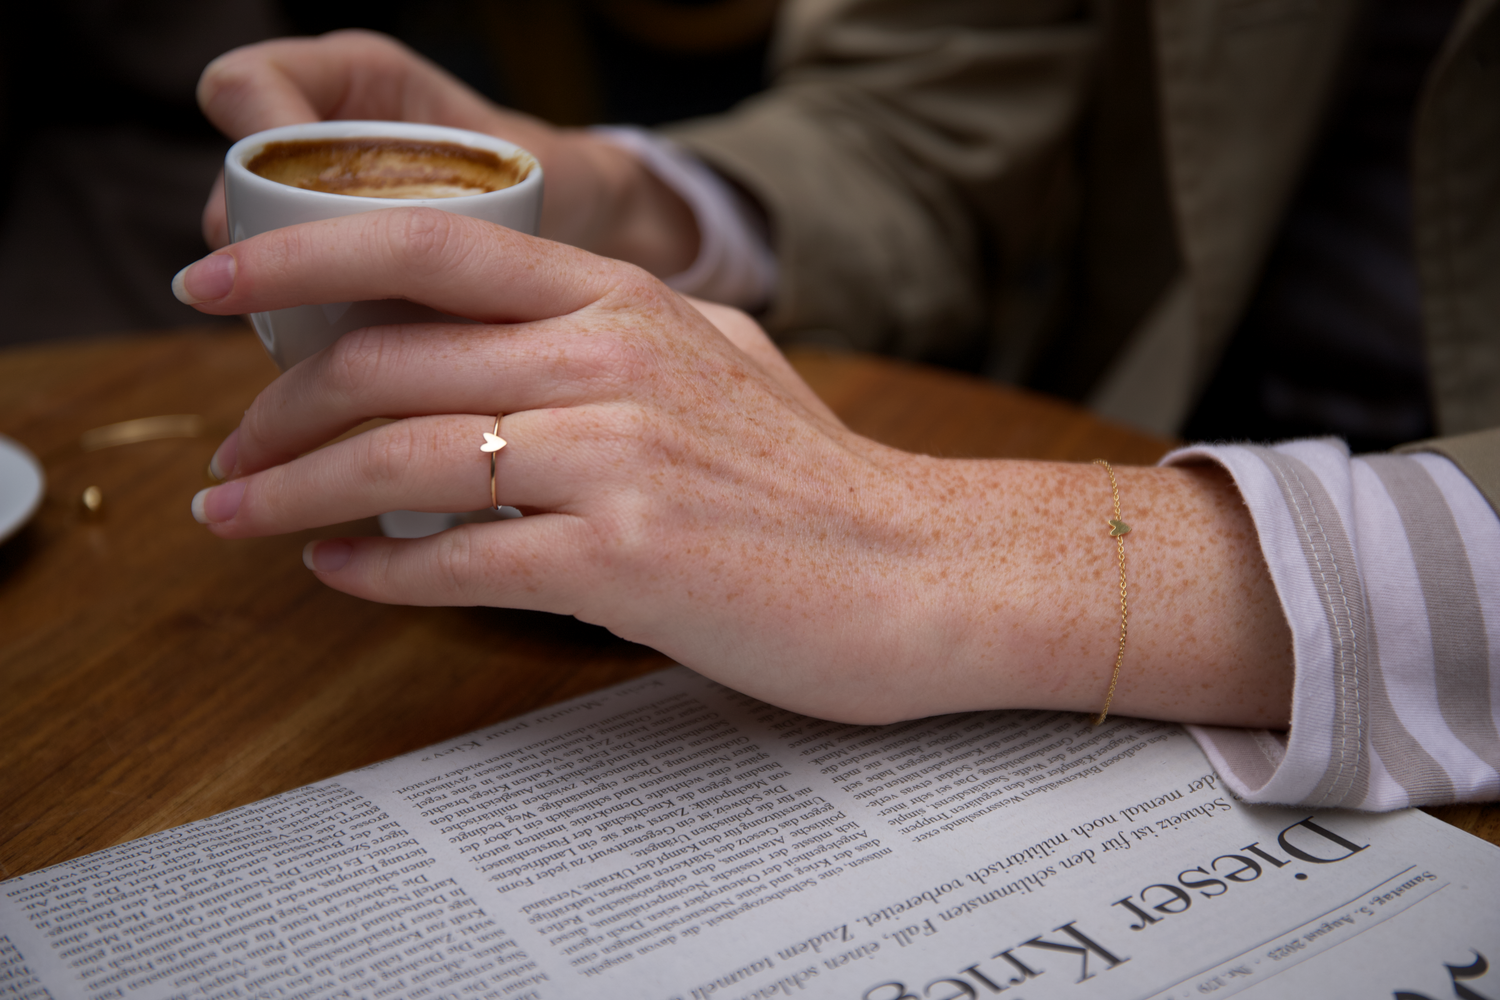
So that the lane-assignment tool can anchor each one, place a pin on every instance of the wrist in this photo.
(1018, 598)
(961, 595)
(608, 202)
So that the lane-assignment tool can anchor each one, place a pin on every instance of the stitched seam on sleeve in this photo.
(1343, 624)
(1268, 745)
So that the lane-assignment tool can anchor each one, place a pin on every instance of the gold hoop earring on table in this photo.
(493, 442)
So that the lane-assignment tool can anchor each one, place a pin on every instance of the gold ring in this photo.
(493, 443)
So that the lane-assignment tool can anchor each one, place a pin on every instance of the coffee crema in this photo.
(387, 167)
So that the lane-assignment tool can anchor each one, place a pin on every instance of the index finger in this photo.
(344, 74)
(455, 264)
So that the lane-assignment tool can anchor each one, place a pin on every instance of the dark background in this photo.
(105, 160)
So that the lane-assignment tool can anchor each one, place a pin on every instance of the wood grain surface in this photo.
(152, 674)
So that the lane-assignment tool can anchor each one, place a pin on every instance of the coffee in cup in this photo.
(371, 167)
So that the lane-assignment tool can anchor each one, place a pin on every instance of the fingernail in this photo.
(206, 280)
(218, 503)
(327, 557)
(222, 464)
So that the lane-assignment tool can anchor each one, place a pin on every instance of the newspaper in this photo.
(671, 839)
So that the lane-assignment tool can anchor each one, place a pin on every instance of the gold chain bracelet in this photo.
(1118, 529)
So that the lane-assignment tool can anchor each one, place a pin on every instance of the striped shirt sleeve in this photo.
(1388, 569)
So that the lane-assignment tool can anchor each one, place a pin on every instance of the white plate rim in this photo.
(15, 455)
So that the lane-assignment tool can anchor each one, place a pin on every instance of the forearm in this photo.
(1015, 579)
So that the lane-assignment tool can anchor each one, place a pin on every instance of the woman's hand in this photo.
(597, 196)
(687, 491)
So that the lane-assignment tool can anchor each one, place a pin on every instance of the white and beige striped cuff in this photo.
(1388, 569)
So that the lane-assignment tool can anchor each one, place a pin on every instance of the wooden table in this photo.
(152, 674)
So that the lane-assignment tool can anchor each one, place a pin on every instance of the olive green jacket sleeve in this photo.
(902, 150)
(1477, 455)
(935, 174)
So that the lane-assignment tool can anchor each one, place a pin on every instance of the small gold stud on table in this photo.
(92, 502)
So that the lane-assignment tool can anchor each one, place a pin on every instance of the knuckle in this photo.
(454, 562)
(389, 454)
(361, 37)
(617, 437)
(644, 291)
(632, 536)
(616, 359)
(630, 437)
(355, 361)
(626, 346)
(253, 437)
(272, 258)
(425, 241)
(228, 76)
(634, 529)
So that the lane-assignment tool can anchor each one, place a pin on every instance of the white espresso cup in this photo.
(257, 204)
